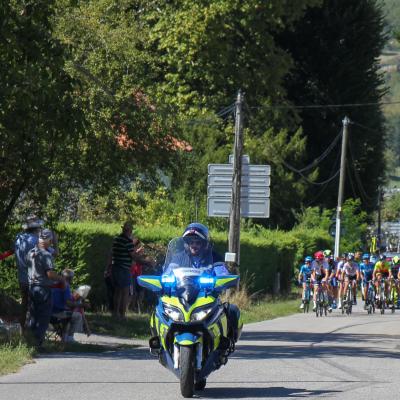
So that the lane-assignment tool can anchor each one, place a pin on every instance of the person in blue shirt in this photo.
(24, 243)
(366, 270)
(304, 274)
(64, 305)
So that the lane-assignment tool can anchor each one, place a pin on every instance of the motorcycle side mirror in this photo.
(223, 282)
(150, 282)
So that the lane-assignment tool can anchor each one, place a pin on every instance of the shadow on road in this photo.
(263, 392)
(141, 353)
(298, 352)
(283, 336)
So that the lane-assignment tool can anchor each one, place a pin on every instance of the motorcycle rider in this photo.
(197, 252)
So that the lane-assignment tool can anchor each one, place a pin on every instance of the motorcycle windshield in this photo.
(182, 261)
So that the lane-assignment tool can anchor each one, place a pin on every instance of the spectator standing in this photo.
(41, 277)
(123, 254)
(24, 242)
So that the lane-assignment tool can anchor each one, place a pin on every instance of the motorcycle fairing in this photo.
(200, 302)
(188, 339)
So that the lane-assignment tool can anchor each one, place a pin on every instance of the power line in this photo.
(368, 199)
(308, 180)
(315, 163)
(323, 155)
(323, 106)
(318, 195)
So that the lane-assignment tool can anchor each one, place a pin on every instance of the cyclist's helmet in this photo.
(327, 253)
(365, 256)
(308, 259)
(198, 230)
(382, 257)
(350, 256)
(344, 255)
(395, 260)
(319, 255)
(372, 259)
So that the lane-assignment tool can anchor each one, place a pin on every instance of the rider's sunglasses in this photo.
(196, 242)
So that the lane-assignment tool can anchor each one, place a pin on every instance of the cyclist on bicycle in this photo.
(304, 274)
(319, 275)
(394, 276)
(381, 271)
(350, 274)
(339, 271)
(366, 271)
(332, 281)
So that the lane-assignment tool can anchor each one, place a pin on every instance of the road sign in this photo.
(246, 191)
(247, 169)
(255, 192)
(249, 207)
(245, 159)
(247, 180)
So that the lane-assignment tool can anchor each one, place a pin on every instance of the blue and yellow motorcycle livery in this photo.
(191, 333)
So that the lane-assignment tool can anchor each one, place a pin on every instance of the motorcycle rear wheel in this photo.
(186, 364)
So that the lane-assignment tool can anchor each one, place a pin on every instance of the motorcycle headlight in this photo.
(173, 313)
(201, 314)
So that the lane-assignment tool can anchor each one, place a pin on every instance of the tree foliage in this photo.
(335, 49)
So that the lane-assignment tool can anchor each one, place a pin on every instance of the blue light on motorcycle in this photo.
(206, 280)
(168, 279)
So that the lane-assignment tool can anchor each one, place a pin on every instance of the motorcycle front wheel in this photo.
(186, 363)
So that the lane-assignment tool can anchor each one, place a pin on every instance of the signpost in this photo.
(254, 193)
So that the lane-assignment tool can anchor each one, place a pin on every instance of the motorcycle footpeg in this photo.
(155, 345)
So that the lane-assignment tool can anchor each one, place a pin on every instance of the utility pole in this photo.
(345, 122)
(234, 217)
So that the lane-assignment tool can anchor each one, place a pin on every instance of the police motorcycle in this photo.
(191, 332)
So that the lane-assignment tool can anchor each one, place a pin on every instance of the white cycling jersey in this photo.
(317, 267)
(350, 268)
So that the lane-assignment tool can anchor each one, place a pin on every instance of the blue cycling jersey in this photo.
(367, 269)
(305, 271)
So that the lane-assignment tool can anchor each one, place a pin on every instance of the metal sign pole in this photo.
(234, 217)
(346, 122)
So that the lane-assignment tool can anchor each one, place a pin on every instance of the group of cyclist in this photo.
(334, 276)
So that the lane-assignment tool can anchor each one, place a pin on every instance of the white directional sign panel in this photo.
(254, 208)
(255, 192)
(247, 180)
(246, 191)
(247, 169)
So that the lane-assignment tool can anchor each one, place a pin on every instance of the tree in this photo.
(39, 123)
(335, 49)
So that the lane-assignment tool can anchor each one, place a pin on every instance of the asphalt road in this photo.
(296, 357)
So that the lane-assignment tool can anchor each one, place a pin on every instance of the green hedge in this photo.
(85, 248)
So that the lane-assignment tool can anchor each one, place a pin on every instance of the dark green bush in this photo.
(85, 248)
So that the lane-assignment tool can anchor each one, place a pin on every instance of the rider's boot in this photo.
(315, 305)
(302, 306)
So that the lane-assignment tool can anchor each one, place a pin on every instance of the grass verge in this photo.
(13, 356)
(135, 326)
(269, 309)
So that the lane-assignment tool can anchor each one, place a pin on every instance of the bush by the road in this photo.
(85, 248)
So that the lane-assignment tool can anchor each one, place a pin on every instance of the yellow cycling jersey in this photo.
(382, 267)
